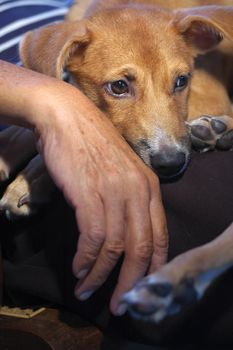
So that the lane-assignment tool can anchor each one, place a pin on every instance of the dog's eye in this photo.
(118, 88)
(181, 82)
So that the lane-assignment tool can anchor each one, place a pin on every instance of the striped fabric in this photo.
(19, 16)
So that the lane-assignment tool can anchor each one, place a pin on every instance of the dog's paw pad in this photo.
(148, 300)
(154, 300)
(226, 141)
(161, 289)
(202, 135)
(185, 292)
(209, 132)
(218, 126)
(202, 132)
(142, 309)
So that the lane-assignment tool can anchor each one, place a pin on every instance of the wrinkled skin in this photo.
(116, 197)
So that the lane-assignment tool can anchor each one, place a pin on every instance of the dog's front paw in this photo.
(209, 133)
(157, 297)
(16, 199)
(173, 288)
(30, 189)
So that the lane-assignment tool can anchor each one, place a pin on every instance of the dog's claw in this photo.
(29, 190)
(24, 199)
(15, 202)
(209, 132)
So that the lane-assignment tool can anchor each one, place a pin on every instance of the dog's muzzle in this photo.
(169, 163)
(168, 158)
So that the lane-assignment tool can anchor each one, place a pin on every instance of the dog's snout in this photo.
(168, 163)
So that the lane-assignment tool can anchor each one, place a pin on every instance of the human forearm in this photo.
(25, 95)
(16, 94)
(116, 197)
(36, 101)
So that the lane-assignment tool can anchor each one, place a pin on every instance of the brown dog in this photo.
(137, 63)
(163, 76)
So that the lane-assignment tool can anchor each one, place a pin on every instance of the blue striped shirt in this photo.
(19, 16)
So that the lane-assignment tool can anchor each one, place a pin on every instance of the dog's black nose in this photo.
(168, 163)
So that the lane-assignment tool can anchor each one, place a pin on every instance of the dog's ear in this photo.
(47, 50)
(205, 27)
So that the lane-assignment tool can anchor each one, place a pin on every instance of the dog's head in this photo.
(135, 63)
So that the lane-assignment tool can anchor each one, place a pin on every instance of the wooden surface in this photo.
(50, 330)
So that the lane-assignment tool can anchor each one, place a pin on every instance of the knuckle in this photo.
(112, 185)
(94, 238)
(161, 248)
(113, 249)
(139, 180)
(154, 181)
(161, 251)
(115, 179)
(89, 246)
(89, 257)
(162, 242)
(143, 251)
(139, 177)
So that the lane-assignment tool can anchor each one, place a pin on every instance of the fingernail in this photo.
(81, 274)
(121, 310)
(85, 295)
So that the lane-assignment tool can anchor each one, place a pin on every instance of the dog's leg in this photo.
(182, 281)
(30, 189)
(210, 121)
(17, 147)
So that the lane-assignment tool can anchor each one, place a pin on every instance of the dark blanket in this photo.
(38, 255)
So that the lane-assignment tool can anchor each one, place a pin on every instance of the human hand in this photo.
(116, 197)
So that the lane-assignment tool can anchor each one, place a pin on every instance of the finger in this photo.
(110, 253)
(138, 251)
(160, 233)
(91, 220)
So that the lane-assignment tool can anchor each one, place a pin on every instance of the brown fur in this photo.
(149, 46)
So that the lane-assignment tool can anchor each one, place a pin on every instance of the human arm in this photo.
(116, 197)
